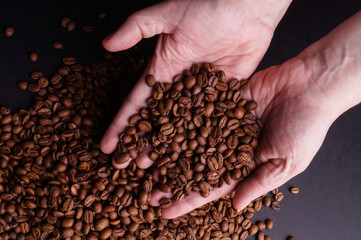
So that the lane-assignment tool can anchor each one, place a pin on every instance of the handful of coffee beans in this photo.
(200, 129)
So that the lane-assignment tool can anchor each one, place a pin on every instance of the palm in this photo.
(294, 131)
(232, 39)
(226, 33)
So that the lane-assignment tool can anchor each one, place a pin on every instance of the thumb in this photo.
(145, 23)
(266, 177)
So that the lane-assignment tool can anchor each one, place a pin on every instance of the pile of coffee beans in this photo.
(55, 183)
(200, 128)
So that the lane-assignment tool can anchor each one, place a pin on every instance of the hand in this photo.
(298, 101)
(295, 126)
(232, 34)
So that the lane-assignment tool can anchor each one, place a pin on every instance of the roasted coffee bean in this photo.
(269, 224)
(33, 57)
(165, 203)
(291, 238)
(267, 201)
(279, 196)
(70, 26)
(275, 205)
(57, 45)
(87, 28)
(294, 190)
(9, 31)
(101, 224)
(253, 230)
(122, 158)
(150, 80)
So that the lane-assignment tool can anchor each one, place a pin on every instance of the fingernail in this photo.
(241, 209)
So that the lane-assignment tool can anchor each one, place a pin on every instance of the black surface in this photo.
(329, 204)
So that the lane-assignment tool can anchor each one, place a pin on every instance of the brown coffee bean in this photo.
(150, 80)
(275, 205)
(121, 158)
(269, 224)
(69, 60)
(70, 26)
(101, 224)
(67, 232)
(279, 196)
(167, 129)
(145, 126)
(291, 238)
(165, 203)
(260, 235)
(9, 31)
(253, 230)
(189, 82)
(87, 28)
(33, 57)
(261, 225)
(57, 45)
(64, 21)
(67, 222)
(294, 190)
(267, 201)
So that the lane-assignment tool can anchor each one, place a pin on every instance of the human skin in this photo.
(298, 100)
(232, 34)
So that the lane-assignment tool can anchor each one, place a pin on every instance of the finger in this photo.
(195, 200)
(143, 161)
(157, 195)
(145, 23)
(265, 178)
(131, 105)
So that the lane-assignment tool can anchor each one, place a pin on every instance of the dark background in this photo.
(329, 203)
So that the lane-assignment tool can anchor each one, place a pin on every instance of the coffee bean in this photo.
(291, 238)
(150, 80)
(57, 45)
(64, 21)
(70, 26)
(260, 235)
(33, 57)
(145, 126)
(69, 60)
(9, 31)
(294, 190)
(269, 224)
(165, 203)
(87, 28)
(275, 205)
(122, 158)
(101, 224)
(279, 196)
(253, 230)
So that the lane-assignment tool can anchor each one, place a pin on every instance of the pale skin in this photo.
(297, 100)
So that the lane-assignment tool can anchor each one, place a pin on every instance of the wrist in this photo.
(270, 12)
(333, 68)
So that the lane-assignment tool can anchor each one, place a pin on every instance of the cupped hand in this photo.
(232, 34)
(295, 124)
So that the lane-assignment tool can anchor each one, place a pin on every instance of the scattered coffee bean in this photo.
(33, 57)
(269, 224)
(87, 28)
(9, 31)
(294, 190)
(291, 238)
(57, 45)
